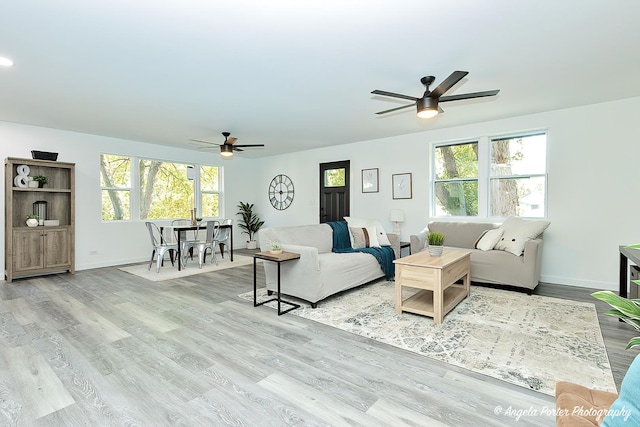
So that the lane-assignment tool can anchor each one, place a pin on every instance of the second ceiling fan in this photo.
(427, 105)
(227, 147)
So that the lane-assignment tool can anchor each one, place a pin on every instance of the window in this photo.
(334, 177)
(115, 184)
(456, 179)
(166, 190)
(210, 189)
(491, 177)
(518, 176)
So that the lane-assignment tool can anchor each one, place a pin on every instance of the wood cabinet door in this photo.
(27, 250)
(57, 249)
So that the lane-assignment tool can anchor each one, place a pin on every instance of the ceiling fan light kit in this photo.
(427, 105)
(226, 148)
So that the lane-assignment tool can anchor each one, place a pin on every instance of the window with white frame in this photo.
(210, 191)
(115, 184)
(166, 189)
(455, 183)
(491, 177)
(518, 176)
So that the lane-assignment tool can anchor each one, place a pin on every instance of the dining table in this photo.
(180, 229)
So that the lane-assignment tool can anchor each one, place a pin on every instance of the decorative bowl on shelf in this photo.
(51, 222)
(44, 155)
(275, 251)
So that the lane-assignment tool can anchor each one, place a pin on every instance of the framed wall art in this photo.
(370, 180)
(401, 185)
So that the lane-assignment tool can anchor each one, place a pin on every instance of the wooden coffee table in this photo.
(436, 278)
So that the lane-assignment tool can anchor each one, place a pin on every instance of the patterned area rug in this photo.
(532, 341)
(171, 272)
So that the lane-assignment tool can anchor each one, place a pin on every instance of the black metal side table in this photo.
(279, 259)
(405, 245)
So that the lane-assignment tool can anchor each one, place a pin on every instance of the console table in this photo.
(626, 255)
(404, 245)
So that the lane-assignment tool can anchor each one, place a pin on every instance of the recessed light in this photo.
(6, 62)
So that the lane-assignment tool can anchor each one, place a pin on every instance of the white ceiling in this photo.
(297, 74)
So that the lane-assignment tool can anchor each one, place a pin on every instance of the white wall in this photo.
(592, 204)
(593, 162)
(115, 242)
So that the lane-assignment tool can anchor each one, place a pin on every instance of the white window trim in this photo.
(433, 179)
(484, 174)
(134, 195)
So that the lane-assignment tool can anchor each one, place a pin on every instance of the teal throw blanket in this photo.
(342, 244)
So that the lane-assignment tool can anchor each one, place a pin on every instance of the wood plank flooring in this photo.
(106, 348)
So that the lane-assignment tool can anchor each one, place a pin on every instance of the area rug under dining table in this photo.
(170, 272)
(529, 340)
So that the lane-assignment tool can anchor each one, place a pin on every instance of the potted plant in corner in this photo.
(436, 240)
(249, 222)
(627, 310)
(42, 180)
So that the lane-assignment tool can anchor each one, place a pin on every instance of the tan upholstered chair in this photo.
(594, 403)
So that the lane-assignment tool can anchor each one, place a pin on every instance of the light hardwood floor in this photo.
(103, 347)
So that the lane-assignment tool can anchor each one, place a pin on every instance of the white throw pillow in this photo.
(489, 239)
(366, 223)
(425, 231)
(517, 232)
(383, 240)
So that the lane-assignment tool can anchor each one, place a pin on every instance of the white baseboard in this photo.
(592, 284)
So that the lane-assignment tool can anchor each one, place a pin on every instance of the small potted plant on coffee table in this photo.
(436, 240)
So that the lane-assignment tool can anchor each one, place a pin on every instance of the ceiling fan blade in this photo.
(395, 95)
(396, 109)
(248, 145)
(237, 149)
(205, 142)
(469, 95)
(447, 84)
(207, 148)
(231, 140)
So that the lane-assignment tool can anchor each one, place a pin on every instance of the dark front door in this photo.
(334, 191)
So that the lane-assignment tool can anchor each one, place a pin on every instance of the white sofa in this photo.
(496, 267)
(319, 272)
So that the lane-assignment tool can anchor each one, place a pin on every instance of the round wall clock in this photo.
(281, 192)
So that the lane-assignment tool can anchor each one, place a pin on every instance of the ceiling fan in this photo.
(428, 105)
(227, 147)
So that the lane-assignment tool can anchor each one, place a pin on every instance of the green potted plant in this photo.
(249, 222)
(32, 220)
(276, 247)
(436, 240)
(42, 180)
(626, 309)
